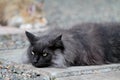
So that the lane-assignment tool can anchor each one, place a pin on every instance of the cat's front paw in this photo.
(26, 26)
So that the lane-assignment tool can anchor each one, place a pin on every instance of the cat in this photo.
(82, 45)
(22, 13)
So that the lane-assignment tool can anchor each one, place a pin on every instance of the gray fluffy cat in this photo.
(85, 44)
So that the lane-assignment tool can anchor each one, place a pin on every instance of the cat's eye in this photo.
(44, 54)
(33, 53)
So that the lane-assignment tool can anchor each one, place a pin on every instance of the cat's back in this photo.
(102, 29)
(92, 38)
(90, 32)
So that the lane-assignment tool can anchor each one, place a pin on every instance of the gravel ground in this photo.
(13, 71)
(12, 41)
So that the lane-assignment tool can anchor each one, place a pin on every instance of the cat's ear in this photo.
(58, 38)
(57, 42)
(31, 37)
(32, 9)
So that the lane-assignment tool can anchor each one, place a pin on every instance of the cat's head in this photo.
(41, 50)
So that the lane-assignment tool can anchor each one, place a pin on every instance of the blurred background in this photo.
(16, 16)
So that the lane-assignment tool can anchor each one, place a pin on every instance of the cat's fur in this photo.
(22, 13)
(85, 44)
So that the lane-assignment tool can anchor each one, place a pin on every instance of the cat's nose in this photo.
(34, 60)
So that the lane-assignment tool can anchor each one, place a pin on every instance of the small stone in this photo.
(1, 66)
(7, 79)
(0, 62)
